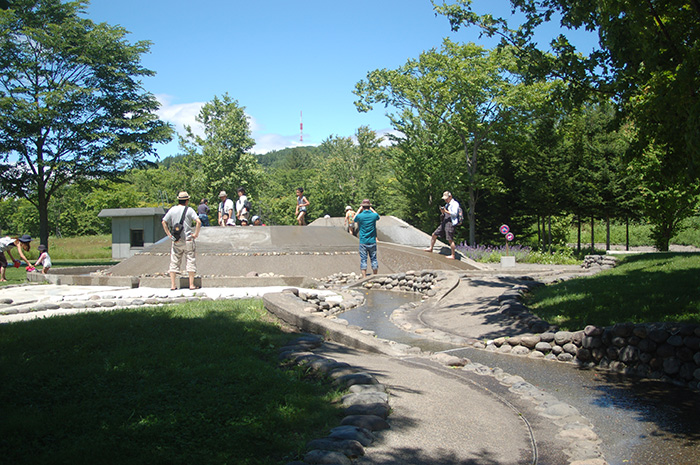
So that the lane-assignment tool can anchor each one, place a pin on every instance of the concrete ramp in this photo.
(389, 229)
(317, 252)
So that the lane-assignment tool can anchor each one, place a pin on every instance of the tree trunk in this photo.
(472, 217)
(592, 235)
(578, 241)
(43, 206)
(627, 234)
(607, 233)
(549, 232)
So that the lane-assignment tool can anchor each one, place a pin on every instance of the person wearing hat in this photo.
(44, 260)
(225, 208)
(256, 221)
(449, 218)
(366, 220)
(350, 220)
(23, 244)
(183, 245)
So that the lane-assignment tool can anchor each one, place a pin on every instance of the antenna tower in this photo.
(301, 127)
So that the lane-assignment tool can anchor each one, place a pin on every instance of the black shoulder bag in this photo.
(177, 229)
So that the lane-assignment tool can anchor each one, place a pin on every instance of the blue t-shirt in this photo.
(367, 226)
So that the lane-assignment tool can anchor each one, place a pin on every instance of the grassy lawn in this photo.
(642, 288)
(78, 248)
(66, 251)
(187, 384)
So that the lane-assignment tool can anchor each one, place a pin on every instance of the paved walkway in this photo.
(440, 415)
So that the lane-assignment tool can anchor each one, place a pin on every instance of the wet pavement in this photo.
(641, 422)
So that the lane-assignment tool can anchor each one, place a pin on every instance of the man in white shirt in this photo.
(225, 207)
(449, 218)
(242, 212)
(183, 245)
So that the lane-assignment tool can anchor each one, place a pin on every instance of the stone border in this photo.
(92, 276)
(668, 352)
(292, 307)
(366, 406)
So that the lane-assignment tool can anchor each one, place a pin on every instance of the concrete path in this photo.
(446, 416)
(440, 415)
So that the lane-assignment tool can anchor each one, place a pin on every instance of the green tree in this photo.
(221, 155)
(72, 105)
(463, 87)
(669, 195)
(350, 171)
(647, 58)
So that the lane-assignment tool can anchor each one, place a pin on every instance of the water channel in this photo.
(641, 422)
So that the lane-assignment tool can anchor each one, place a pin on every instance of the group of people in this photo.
(226, 215)
(23, 244)
(362, 223)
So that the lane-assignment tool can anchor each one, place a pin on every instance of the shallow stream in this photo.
(640, 422)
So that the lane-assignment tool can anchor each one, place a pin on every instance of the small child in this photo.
(43, 259)
(227, 221)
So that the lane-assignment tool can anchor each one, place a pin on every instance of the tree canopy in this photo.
(647, 59)
(72, 105)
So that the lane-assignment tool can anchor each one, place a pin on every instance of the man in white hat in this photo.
(449, 218)
(225, 208)
(182, 216)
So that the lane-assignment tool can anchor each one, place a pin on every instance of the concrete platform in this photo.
(313, 251)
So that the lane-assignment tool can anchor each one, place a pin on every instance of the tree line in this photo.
(520, 136)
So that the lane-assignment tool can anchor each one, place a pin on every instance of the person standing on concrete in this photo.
(366, 219)
(242, 206)
(302, 206)
(225, 208)
(203, 212)
(349, 223)
(449, 218)
(182, 216)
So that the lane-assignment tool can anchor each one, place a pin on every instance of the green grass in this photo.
(78, 248)
(639, 234)
(642, 288)
(188, 384)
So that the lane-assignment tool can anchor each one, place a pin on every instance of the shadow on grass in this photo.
(647, 288)
(196, 383)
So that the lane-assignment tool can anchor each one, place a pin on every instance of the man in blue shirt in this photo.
(366, 219)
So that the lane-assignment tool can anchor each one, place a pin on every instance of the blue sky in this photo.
(278, 58)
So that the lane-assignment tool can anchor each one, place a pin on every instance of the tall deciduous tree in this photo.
(223, 152)
(462, 87)
(72, 105)
(647, 58)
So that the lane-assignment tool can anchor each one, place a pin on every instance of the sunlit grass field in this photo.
(650, 287)
(198, 383)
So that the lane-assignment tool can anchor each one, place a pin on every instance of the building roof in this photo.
(122, 212)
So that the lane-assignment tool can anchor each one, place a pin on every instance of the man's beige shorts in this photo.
(178, 249)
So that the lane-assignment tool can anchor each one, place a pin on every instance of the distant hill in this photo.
(289, 158)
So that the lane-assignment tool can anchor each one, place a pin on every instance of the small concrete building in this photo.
(134, 229)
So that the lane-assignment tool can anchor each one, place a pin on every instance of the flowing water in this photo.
(640, 422)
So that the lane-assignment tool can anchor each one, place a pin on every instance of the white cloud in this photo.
(267, 142)
(180, 114)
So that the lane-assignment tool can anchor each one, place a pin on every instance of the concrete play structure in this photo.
(281, 254)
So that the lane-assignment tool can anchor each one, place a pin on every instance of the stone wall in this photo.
(665, 351)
